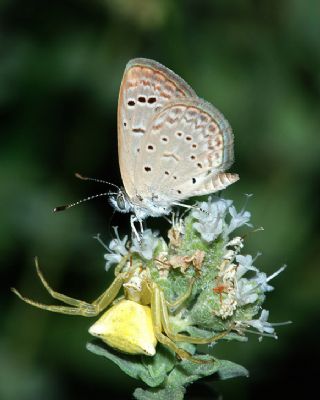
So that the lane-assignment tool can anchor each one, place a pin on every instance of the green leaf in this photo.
(168, 393)
(229, 369)
(158, 366)
(187, 372)
(129, 364)
(151, 370)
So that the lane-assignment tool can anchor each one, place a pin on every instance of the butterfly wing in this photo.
(186, 149)
(146, 88)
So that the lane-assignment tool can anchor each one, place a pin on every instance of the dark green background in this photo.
(61, 64)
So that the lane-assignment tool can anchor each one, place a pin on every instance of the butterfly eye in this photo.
(121, 202)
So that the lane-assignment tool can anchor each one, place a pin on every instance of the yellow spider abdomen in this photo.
(127, 326)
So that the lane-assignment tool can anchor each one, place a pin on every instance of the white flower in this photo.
(262, 279)
(244, 265)
(149, 241)
(210, 216)
(261, 324)
(237, 219)
(209, 232)
(245, 293)
(117, 249)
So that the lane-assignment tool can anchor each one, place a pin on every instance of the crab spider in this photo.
(136, 321)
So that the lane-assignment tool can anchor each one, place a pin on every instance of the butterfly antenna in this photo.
(85, 178)
(62, 208)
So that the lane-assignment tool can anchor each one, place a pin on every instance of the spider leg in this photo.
(86, 309)
(177, 337)
(180, 300)
(122, 264)
(157, 317)
(58, 296)
(75, 306)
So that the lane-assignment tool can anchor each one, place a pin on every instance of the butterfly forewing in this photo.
(146, 88)
(186, 148)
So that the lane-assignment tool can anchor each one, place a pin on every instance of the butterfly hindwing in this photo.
(187, 146)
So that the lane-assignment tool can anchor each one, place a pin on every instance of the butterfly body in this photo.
(140, 207)
(172, 145)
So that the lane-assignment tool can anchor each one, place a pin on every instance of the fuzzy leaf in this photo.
(229, 369)
(151, 370)
(159, 365)
(187, 371)
(129, 364)
(168, 393)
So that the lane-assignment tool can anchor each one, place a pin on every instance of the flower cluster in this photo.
(235, 281)
(212, 218)
(118, 248)
(228, 289)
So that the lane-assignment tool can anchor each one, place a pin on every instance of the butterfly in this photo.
(172, 145)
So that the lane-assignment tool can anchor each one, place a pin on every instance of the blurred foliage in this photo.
(61, 64)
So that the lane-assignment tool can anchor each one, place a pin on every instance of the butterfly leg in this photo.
(75, 306)
(134, 219)
(189, 207)
(141, 226)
